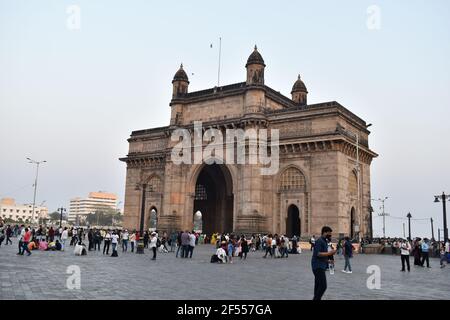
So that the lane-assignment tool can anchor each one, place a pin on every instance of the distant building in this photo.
(9, 209)
(82, 207)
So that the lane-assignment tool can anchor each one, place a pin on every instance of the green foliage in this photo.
(54, 216)
(104, 217)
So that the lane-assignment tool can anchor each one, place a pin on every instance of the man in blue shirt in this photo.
(319, 262)
(425, 253)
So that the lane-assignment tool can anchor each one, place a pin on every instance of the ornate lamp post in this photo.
(444, 197)
(140, 246)
(409, 216)
(61, 210)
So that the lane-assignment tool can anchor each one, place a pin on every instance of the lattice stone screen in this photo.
(352, 184)
(155, 185)
(292, 179)
(200, 192)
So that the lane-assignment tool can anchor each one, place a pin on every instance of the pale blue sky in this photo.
(73, 97)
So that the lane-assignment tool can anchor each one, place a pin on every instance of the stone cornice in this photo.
(152, 160)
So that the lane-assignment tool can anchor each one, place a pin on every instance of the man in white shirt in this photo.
(405, 249)
(114, 242)
(125, 237)
(192, 239)
(153, 244)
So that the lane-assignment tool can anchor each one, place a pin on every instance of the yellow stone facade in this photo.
(316, 184)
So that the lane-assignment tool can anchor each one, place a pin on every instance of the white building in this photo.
(82, 207)
(10, 210)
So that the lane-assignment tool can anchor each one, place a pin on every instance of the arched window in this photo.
(154, 184)
(292, 179)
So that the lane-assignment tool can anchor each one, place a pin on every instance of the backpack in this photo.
(214, 258)
(158, 243)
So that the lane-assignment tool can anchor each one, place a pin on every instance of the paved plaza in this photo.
(131, 276)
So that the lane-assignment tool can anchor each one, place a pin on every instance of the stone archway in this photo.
(293, 227)
(214, 198)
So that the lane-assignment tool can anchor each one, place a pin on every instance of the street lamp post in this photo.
(383, 213)
(140, 247)
(61, 210)
(444, 198)
(409, 216)
(432, 229)
(371, 223)
(37, 163)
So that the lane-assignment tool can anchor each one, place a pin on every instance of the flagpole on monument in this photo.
(220, 53)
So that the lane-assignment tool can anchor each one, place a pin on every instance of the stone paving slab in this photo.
(131, 277)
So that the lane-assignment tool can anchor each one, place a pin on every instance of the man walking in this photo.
(348, 254)
(25, 241)
(319, 262)
(21, 235)
(8, 233)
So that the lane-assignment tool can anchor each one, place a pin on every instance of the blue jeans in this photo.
(347, 263)
(25, 248)
(185, 251)
(124, 245)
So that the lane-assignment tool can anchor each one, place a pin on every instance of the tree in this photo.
(103, 216)
(54, 216)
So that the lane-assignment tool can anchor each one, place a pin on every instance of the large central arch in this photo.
(214, 198)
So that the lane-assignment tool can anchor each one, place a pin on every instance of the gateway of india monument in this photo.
(323, 176)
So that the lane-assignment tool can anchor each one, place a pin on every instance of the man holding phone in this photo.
(319, 262)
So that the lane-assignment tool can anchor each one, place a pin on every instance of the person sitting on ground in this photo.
(43, 245)
(80, 249)
(221, 255)
(58, 246)
(32, 245)
(52, 246)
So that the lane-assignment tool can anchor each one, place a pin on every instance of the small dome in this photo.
(180, 75)
(299, 86)
(255, 58)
